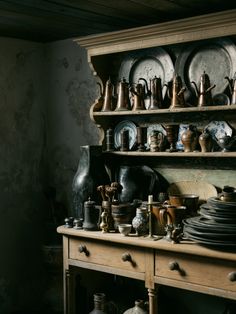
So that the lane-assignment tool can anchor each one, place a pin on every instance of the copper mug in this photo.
(172, 215)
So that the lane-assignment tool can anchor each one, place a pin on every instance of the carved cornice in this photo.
(190, 29)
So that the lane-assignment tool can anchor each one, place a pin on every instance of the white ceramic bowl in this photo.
(124, 229)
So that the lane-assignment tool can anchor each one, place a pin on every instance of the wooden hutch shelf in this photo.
(204, 270)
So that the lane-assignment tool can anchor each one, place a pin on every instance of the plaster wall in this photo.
(22, 125)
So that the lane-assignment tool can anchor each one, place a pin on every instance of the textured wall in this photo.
(71, 91)
(22, 122)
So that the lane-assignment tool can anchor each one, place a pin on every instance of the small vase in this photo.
(140, 221)
(205, 141)
(188, 139)
(90, 174)
(99, 304)
(139, 308)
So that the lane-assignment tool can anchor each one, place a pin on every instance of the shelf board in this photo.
(173, 154)
(223, 108)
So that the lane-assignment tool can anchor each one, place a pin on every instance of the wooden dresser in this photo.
(185, 265)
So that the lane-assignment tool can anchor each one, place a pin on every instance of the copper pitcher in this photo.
(123, 101)
(177, 94)
(232, 88)
(155, 93)
(204, 91)
(138, 93)
(108, 96)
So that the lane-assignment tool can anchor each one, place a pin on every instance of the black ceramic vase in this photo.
(90, 174)
(138, 182)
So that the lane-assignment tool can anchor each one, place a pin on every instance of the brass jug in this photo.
(155, 93)
(123, 101)
(177, 95)
(204, 91)
(138, 92)
(108, 96)
(232, 88)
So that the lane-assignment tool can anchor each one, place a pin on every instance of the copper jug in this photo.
(177, 95)
(123, 101)
(138, 92)
(108, 96)
(155, 93)
(204, 91)
(232, 88)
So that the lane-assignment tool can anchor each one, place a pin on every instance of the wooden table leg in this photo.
(152, 294)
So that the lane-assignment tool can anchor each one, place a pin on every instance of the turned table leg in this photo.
(152, 294)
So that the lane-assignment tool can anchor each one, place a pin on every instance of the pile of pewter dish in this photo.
(216, 223)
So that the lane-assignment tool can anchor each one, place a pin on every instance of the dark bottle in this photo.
(99, 304)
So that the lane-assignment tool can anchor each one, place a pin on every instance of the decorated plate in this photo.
(219, 129)
(122, 126)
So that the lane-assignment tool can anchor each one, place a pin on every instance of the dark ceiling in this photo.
(50, 20)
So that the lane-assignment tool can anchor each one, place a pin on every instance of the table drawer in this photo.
(195, 270)
(111, 255)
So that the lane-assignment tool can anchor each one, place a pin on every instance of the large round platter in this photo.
(147, 64)
(122, 126)
(208, 242)
(216, 202)
(216, 57)
(230, 237)
(203, 224)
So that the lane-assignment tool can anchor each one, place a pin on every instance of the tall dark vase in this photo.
(90, 174)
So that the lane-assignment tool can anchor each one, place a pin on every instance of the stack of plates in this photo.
(215, 225)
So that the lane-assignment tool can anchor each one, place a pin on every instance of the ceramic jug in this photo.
(139, 308)
(205, 141)
(90, 174)
(189, 139)
(140, 221)
(99, 304)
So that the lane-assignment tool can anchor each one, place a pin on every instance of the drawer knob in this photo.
(174, 266)
(232, 276)
(83, 249)
(126, 257)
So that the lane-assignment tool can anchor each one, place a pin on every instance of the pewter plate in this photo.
(147, 64)
(216, 57)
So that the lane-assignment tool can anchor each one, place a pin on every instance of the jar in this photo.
(99, 304)
(189, 138)
(139, 308)
(140, 221)
(205, 141)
